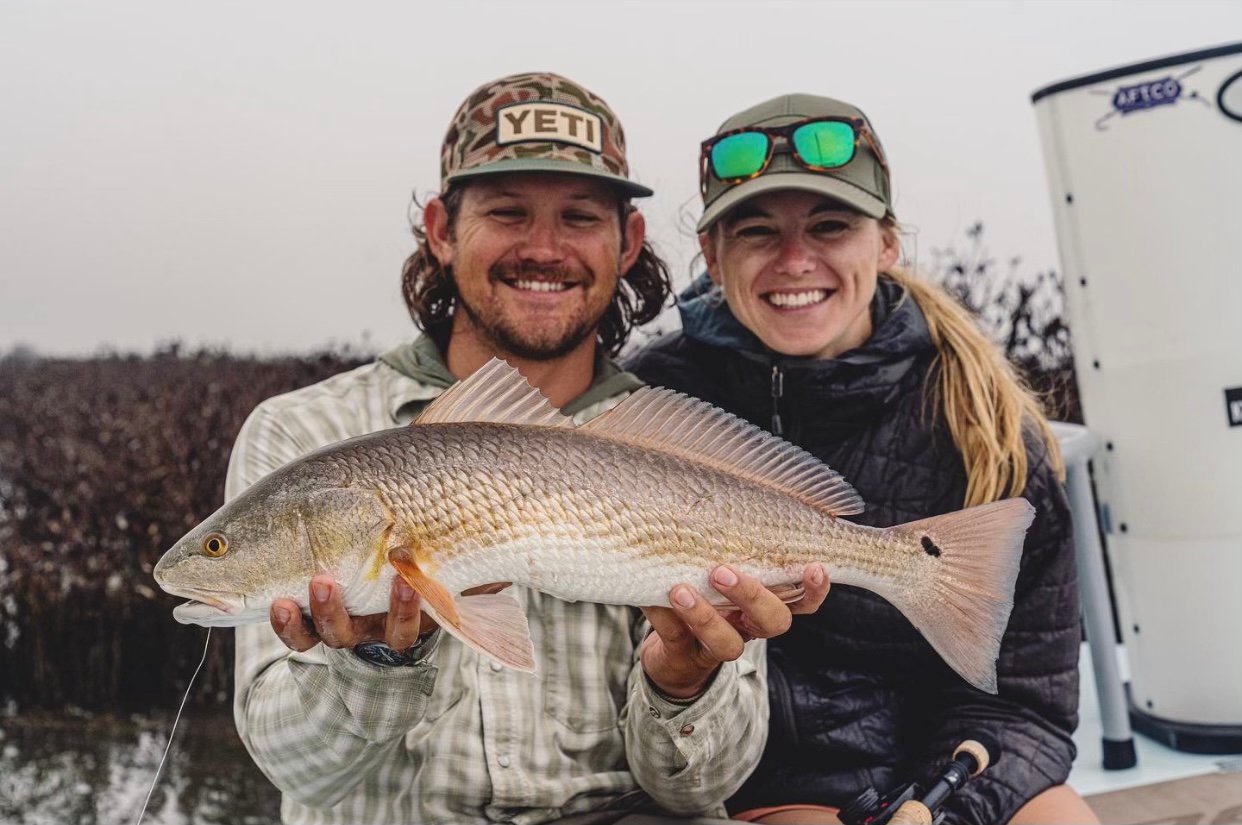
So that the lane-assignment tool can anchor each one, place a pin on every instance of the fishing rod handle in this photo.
(978, 752)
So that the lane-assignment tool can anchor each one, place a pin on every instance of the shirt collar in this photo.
(422, 362)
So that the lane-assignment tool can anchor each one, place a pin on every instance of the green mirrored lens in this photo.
(739, 156)
(827, 143)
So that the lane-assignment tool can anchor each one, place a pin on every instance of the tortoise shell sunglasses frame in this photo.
(862, 132)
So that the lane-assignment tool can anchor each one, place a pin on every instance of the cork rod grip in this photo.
(978, 751)
(912, 812)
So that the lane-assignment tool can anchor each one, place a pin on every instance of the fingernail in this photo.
(725, 576)
(684, 596)
(282, 615)
(404, 592)
(817, 574)
(321, 591)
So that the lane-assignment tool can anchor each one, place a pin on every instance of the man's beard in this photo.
(533, 344)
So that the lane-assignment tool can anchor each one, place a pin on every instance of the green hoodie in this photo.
(420, 360)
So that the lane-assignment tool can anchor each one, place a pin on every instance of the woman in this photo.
(805, 325)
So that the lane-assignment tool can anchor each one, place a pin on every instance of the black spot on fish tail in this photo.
(930, 547)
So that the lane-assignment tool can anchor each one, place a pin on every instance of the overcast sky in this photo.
(241, 172)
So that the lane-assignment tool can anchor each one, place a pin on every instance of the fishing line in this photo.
(173, 732)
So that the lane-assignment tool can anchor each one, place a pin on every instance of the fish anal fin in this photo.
(787, 593)
(429, 590)
(495, 393)
(674, 423)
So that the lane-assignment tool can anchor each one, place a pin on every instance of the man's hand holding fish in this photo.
(330, 623)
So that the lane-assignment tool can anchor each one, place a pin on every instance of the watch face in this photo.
(378, 653)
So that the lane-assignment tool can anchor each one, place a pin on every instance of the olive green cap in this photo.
(863, 183)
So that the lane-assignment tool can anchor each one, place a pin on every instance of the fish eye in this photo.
(215, 545)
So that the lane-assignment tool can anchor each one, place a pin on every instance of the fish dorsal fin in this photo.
(495, 393)
(693, 429)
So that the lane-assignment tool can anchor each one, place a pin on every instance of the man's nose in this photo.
(543, 242)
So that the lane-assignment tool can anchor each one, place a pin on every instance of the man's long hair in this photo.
(431, 292)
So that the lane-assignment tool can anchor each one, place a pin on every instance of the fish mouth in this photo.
(204, 601)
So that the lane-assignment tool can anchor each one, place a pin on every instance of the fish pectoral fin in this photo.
(787, 593)
(428, 589)
(495, 625)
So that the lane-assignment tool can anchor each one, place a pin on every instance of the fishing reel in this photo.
(909, 804)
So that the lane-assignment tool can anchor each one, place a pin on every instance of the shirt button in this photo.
(687, 730)
(655, 714)
(497, 667)
(503, 761)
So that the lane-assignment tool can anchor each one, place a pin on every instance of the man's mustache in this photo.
(526, 270)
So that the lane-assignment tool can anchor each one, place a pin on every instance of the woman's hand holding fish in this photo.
(692, 638)
(331, 625)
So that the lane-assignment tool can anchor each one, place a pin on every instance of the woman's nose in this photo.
(794, 257)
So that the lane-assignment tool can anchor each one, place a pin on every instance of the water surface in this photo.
(58, 768)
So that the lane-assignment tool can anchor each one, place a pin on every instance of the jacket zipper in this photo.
(778, 390)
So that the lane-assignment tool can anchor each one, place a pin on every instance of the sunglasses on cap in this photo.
(818, 144)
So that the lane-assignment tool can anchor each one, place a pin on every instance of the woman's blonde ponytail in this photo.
(984, 400)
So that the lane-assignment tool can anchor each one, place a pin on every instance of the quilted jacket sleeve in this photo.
(1036, 709)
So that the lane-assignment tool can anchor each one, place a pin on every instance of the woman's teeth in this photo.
(796, 299)
(542, 286)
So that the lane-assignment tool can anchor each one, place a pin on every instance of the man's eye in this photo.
(831, 227)
(582, 218)
(506, 213)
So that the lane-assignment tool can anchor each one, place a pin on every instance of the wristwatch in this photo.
(378, 653)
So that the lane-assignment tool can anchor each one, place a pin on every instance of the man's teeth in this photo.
(542, 286)
(797, 299)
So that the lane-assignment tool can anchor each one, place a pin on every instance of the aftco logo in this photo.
(1233, 403)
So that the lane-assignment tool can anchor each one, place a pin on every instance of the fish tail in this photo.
(964, 608)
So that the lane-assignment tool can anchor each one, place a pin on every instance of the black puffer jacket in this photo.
(858, 697)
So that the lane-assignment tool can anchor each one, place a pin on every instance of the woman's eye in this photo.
(756, 230)
(831, 227)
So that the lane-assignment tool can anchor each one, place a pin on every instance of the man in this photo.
(532, 253)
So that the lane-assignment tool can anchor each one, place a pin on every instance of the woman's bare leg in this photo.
(1060, 804)
(796, 815)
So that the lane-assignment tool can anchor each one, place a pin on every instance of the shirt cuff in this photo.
(661, 709)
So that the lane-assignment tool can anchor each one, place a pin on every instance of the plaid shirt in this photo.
(455, 738)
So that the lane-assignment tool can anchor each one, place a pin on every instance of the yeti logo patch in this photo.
(525, 122)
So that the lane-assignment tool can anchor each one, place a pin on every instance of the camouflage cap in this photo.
(536, 122)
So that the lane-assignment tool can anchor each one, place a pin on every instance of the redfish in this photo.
(492, 483)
